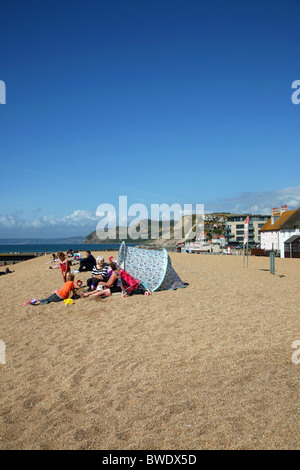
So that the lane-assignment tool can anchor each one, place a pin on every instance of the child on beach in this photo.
(64, 265)
(63, 294)
(77, 256)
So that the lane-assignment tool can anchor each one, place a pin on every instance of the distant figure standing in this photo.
(87, 264)
(64, 265)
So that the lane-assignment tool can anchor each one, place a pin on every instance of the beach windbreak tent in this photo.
(153, 268)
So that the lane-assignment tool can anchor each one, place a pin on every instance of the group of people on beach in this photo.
(64, 262)
(104, 280)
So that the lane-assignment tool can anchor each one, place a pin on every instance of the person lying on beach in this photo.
(54, 267)
(64, 293)
(7, 271)
(104, 289)
(64, 264)
(99, 273)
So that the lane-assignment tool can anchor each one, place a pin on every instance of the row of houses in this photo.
(282, 232)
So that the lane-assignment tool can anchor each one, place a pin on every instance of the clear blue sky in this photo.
(184, 101)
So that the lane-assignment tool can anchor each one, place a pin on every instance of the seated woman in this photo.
(112, 286)
(99, 273)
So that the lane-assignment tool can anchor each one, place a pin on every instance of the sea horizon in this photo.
(55, 247)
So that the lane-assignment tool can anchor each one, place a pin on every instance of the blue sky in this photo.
(169, 101)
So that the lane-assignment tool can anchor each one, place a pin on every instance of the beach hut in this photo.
(153, 268)
(292, 247)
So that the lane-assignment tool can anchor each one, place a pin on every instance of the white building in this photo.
(270, 232)
(288, 229)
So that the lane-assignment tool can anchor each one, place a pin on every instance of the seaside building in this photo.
(292, 247)
(234, 228)
(289, 233)
(270, 233)
(219, 240)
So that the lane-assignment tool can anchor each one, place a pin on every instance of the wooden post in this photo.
(272, 262)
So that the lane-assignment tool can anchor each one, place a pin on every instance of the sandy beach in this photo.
(206, 367)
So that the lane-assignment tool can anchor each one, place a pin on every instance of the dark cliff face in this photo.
(91, 238)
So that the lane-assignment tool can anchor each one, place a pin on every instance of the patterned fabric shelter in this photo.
(152, 267)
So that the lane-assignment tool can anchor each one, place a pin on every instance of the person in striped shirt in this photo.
(99, 273)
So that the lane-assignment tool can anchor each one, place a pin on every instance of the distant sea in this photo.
(50, 248)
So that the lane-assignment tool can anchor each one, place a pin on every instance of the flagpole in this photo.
(246, 239)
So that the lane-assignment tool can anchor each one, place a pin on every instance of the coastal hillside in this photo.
(144, 228)
(118, 234)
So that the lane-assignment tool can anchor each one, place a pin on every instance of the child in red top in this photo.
(64, 265)
(64, 293)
